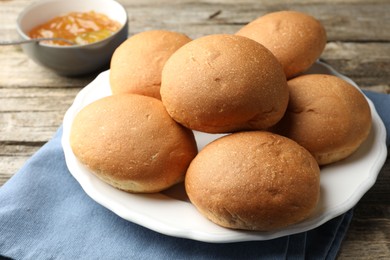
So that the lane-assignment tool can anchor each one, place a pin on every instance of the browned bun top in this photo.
(130, 142)
(296, 39)
(223, 83)
(326, 115)
(254, 181)
(137, 63)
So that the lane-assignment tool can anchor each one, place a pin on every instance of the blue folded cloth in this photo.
(382, 106)
(45, 214)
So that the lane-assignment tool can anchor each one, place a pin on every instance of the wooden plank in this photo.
(9, 165)
(36, 99)
(366, 239)
(342, 21)
(372, 203)
(29, 126)
(366, 63)
(13, 156)
(17, 70)
(358, 22)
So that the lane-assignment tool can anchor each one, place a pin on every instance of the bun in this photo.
(296, 39)
(327, 116)
(130, 142)
(224, 83)
(137, 63)
(254, 181)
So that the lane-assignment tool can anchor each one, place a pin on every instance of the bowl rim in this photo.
(23, 13)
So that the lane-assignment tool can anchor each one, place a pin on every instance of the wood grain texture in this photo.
(33, 100)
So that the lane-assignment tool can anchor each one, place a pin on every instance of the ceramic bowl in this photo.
(76, 59)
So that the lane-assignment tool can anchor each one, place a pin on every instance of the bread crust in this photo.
(254, 181)
(326, 115)
(295, 38)
(130, 142)
(137, 63)
(224, 83)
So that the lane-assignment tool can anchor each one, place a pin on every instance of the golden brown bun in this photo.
(137, 63)
(327, 116)
(296, 39)
(254, 181)
(223, 83)
(130, 142)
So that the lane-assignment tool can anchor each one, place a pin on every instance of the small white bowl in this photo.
(77, 59)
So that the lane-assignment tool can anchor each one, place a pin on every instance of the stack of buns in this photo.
(281, 125)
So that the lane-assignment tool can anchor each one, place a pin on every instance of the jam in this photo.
(78, 27)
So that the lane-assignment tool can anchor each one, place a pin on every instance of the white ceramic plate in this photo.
(170, 212)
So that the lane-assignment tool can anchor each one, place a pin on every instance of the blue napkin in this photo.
(45, 214)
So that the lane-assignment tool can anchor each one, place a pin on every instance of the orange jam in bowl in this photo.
(78, 27)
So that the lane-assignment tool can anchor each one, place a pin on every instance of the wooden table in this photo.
(33, 100)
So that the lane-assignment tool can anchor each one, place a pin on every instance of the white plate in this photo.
(170, 213)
